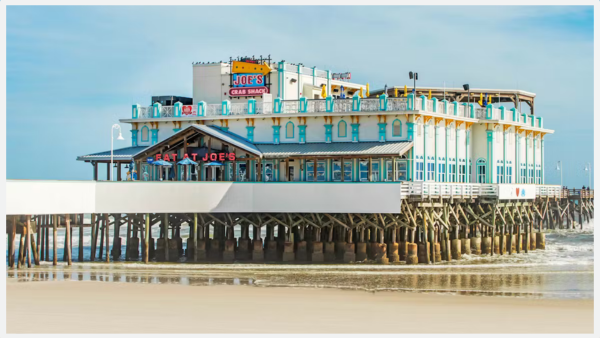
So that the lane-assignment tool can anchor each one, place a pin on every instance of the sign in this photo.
(248, 91)
(190, 110)
(240, 67)
(248, 80)
(341, 76)
(207, 157)
(516, 191)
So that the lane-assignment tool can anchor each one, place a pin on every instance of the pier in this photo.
(411, 222)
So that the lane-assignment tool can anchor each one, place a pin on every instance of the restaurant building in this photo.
(262, 121)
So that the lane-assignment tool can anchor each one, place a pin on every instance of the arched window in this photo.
(397, 128)
(145, 133)
(481, 166)
(289, 130)
(342, 126)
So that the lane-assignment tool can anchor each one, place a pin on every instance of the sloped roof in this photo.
(334, 149)
(118, 154)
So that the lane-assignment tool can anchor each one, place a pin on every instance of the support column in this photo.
(54, 239)
(68, 237)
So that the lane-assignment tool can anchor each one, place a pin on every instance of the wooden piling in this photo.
(38, 237)
(54, 239)
(68, 237)
(80, 249)
(195, 237)
(94, 235)
(146, 239)
(107, 234)
(11, 246)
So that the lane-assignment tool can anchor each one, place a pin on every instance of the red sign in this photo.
(207, 157)
(249, 91)
(188, 110)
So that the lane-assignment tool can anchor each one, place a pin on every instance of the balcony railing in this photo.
(337, 106)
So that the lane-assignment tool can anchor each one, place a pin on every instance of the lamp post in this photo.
(112, 136)
(559, 167)
(588, 168)
(414, 76)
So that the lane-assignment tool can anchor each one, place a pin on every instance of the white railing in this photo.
(214, 109)
(290, 107)
(466, 190)
(418, 104)
(239, 108)
(429, 106)
(548, 190)
(369, 105)
(306, 71)
(461, 111)
(440, 108)
(480, 113)
(291, 68)
(397, 104)
(315, 106)
(343, 106)
(166, 111)
(264, 108)
(321, 73)
(145, 112)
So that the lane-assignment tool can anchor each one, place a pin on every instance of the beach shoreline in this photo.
(98, 307)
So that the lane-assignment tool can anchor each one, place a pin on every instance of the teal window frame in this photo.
(287, 136)
(147, 139)
(345, 129)
(321, 171)
(399, 134)
(481, 170)
(336, 170)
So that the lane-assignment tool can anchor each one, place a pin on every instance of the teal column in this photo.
(250, 133)
(435, 152)
(542, 159)
(456, 163)
(534, 164)
(425, 160)
(447, 174)
(355, 131)
(468, 146)
(135, 111)
(382, 127)
(489, 176)
(276, 134)
(281, 80)
(517, 158)
(154, 139)
(328, 128)
(134, 137)
(411, 130)
(302, 134)
(504, 155)
(526, 158)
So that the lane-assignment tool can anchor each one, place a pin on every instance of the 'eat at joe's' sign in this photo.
(207, 157)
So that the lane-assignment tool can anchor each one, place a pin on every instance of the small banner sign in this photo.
(248, 91)
(190, 110)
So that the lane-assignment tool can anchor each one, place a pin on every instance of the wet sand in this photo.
(97, 307)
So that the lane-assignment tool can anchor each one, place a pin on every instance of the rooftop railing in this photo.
(331, 105)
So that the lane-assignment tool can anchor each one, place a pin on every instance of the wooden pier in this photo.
(427, 230)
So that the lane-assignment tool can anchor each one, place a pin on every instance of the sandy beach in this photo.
(97, 307)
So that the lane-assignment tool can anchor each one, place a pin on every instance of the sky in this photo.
(72, 72)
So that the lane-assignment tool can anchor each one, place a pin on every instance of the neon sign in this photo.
(248, 80)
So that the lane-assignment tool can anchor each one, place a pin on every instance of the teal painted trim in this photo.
(540, 122)
(329, 104)
(147, 138)
(425, 138)
(423, 102)
(356, 103)
(251, 106)
(472, 111)
(302, 134)
(156, 107)
(355, 135)
(515, 114)
(502, 112)
(135, 111)
(489, 174)
(526, 159)
(226, 107)
(382, 129)
(399, 124)
(435, 106)
(524, 116)
(342, 126)
(383, 102)
(277, 105)
(447, 171)
(456, 130)
(303, 104)
(455, 108)
(223, 128)
(534, 140)
(154, 136)
(504, 150)
(410, 102)
(178, 129)
(250, 133)
(446, 106)
(410, 133)
(489, 112)
(201, 108)
(276, 130)
(289, 135)
(281, 80)
(328, 128)
(134, 137)
(436, 130)
(177, 109)
(467, 163)
(517, 159)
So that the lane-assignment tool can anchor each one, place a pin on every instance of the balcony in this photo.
(330, 105)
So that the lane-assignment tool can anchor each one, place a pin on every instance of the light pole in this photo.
(559, 167)
(112, 136)
(588, 168)
(414, 76)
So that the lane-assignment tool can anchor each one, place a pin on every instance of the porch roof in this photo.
(120, 155)
(283, 150)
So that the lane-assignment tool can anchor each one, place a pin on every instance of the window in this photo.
(397, 128)
(310, 171)
(441, 172)
(145, 134)
(523, 174)
(402, 170)
(419, 169)
(452, 172)
(462, 173)
(337, 171)
(363, 171)
(531, 177)
(268, 172)
(241, 172)
(289, 130)
(430, 171)
(375, 171)
(342, 128)
(389, 170)
(500, 174)
(509, 175)
(481, 166)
